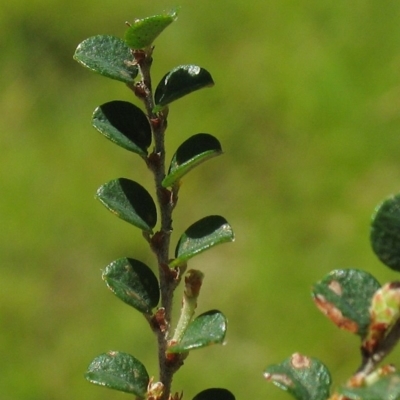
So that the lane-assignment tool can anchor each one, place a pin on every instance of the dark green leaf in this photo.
(385, 388)
(134, 283)
(385, 232)
(107, 55)
(143, 32)
(124, 124)
(119, 371)
(179, 82)
(345, 297)
(208, 328)
(203, 234)
(214, 394)
(303, 377)
(191, 153)
(130, 202)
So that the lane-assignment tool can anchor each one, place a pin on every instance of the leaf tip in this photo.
(173, 13)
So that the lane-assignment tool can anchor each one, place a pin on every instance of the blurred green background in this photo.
(306, 105)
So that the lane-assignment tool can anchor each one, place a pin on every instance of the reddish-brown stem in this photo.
(370, 361)
(160, 241)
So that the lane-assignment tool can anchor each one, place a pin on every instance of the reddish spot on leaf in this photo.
(299, 361)
(336, 287)
(356, 380)
(280, 378)
(335, 315)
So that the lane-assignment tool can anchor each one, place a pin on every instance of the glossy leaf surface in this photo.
(134, 283)
(130, 202)
(214, 394)
(124, 124)
(386, 388)
(385, 232)
(192, 152)
(208, 328)
(119, 371)
(202, 235)
(345, 296)
(143, 32)
(303, 377)
(179, 82)
(107, 55)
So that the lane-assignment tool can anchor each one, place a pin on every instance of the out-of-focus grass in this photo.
(306, 105)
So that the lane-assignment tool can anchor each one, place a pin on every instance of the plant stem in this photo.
(160, 241)
(370, 361)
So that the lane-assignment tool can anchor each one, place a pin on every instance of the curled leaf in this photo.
(179, 82)
(194, 151)
(193, 282)
(202, 235)
(130, 202)
(134, 283)
(124, 124)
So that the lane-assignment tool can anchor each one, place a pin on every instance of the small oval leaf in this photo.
(130, 202)
(214, 394)
(124, 124)
(119, 371)
(303, 377)
(202, 235)
(385, 232)
(208, 328)
(134, 283)
(179, 82)
(109, 56)
(143, 32)
(195, 150)
(344, 296)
